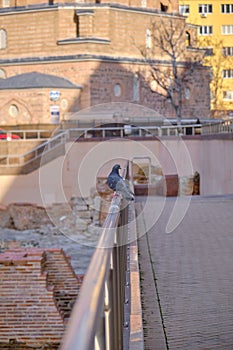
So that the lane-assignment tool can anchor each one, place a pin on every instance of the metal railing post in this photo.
(116, 301)
(99, 340)
(109, 312)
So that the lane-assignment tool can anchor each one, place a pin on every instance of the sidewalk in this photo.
(187, 276)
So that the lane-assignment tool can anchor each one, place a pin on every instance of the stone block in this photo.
(94, 230)
(84, 214)
(185, 185)
(172, 185)
(27, 216)
(80, 203)
(5, 218)
(81, 225)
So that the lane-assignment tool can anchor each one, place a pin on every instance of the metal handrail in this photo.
(38, 151)
(225, 126)
(84, 321)
(27, 134)
(140, 130)
(63, 136)
(96, 320)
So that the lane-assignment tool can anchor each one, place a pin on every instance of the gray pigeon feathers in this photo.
(118, 184)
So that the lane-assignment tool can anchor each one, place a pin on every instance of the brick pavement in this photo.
(190, 272)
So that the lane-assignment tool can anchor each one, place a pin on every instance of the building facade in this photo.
(215, 33)
(97, 48)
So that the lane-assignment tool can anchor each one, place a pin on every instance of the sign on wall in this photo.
(54, 114)
(54, 95)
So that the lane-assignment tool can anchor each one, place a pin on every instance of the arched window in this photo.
(2, 74)
(136, 88)
(3, 39)
(148, 39)
(163, 7)
(188, 39)
(143, 2)
(77, 20)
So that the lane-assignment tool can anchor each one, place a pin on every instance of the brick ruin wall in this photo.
(37, 295)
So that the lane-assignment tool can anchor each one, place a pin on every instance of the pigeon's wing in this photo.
(112, 181)
(122, 187)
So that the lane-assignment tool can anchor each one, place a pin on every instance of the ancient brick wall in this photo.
(37, 292)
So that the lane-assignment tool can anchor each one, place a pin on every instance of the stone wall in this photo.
(83, 214)
(164, 185)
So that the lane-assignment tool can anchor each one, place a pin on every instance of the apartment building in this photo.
(215, 33)
(57, 59)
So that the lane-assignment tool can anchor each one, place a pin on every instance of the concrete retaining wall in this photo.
(75, 173)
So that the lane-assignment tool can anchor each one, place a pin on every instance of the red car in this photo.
(4, 135)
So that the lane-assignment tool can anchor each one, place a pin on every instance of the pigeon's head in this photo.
(116, 168)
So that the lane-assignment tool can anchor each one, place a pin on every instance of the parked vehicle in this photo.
(7, 135)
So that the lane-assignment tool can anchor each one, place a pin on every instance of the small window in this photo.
(227, 8)
(153, 85)
(184, 10)
(136, 88)
(2, 74)
(3, 39)
(5, 3)
(188, 39)
(148, 39)
(208, 51)
(227, 73)
(227, 51)
(204, 8)
(13, 111)
(117, 90)
(77, 21)
(187, 93)
(228, 95)
(144, 4)
(163, 7)
(205, 30)
(227, 29)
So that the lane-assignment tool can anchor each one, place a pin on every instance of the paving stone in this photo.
(194, 276)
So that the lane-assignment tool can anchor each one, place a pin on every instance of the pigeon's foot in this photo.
(115, 194)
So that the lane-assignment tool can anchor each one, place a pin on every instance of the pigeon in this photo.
(118, 184)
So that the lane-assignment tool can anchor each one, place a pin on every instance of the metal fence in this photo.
(29, 134)
(62, 136)
(56, 141)
(135, 131)
(100, 317)
(12, 160)
(222, 127)
(75, 134)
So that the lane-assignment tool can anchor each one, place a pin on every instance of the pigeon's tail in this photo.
(129, 197)
(124, 189)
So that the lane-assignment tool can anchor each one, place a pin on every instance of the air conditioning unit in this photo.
(204, 15)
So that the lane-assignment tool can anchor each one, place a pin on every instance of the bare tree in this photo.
(171, 58)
